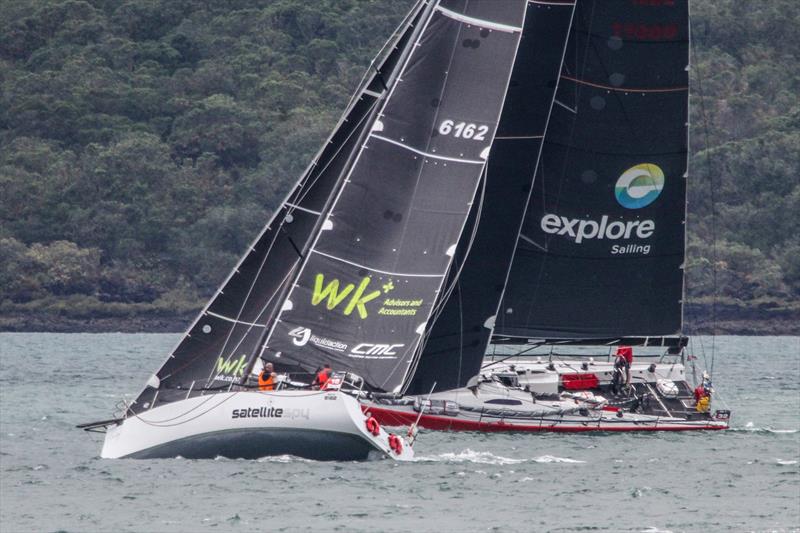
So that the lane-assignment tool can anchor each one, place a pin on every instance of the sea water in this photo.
(51, 478)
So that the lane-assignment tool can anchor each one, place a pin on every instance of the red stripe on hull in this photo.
(390, 417)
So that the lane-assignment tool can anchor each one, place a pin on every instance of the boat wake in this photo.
(554, 459)
(284, 459)
(750, 428)
(488, 458)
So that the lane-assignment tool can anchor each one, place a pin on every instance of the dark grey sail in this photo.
(220, 345)
(372, 278)
(602, 248)
(457, 341)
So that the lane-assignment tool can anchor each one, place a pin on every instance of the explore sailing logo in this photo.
(335, 293)
(639, 186)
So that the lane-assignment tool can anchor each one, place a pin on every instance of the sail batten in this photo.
(481, 23)
(428, 154)
(372, 269)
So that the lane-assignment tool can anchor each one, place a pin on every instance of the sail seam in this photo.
(514, 137)
(427, 154)
(478, 22)
(388, 273)
(626, 89)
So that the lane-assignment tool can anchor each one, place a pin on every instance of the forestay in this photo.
(602, 248)
(372, 277)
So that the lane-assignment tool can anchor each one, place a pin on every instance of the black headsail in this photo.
(457, 342)
(372, 278)
(602, 248)
(218, 347)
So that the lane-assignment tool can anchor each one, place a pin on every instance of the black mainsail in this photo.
(351, 266)
(601, 251)
(374, 274)
(457, 342)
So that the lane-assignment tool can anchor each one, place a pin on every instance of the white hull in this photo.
(497, 408)
(250, 424)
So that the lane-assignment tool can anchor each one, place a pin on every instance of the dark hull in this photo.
(262, 442)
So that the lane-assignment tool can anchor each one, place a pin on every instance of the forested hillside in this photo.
(143, 144)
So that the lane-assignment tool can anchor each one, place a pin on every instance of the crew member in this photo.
(266, 379)
(702, 395)
(322, 377)
(622, 365)
(627, 353)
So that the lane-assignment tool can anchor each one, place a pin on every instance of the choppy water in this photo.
(51, 478)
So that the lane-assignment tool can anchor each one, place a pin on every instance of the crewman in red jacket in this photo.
(322, 377)
(622, 365)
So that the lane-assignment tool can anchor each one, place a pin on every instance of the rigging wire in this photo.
(710, 167)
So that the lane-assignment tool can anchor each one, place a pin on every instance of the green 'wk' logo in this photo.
(231, 367)
(331, 292)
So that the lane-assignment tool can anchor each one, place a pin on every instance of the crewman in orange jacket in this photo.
(266, 379)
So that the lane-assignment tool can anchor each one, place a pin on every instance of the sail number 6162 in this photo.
(463, 130)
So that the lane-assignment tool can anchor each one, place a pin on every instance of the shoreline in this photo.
(729, 322)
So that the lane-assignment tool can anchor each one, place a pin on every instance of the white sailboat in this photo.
(352, 266)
